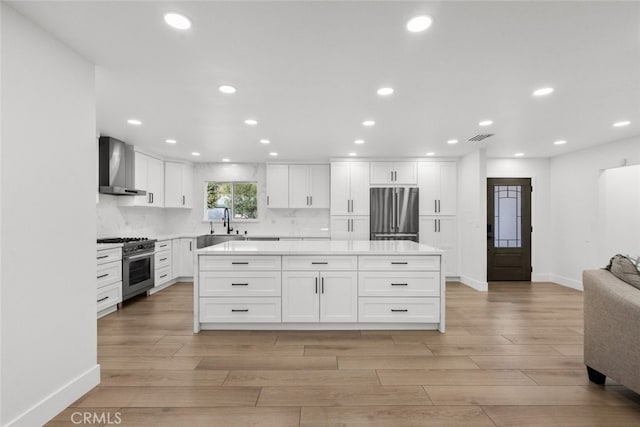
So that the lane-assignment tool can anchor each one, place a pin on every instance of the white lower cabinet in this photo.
(162, 263)
(240, 310)
(108, 280)
(441, 232)
(312, 296)
(183, 250)
(399, 310)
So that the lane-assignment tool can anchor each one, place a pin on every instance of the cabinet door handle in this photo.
(190, 246)
(391, 175)
(103, 275)
(439, 209)
(399, 263)
(322, 285)
(350, 225)
(163, 259)
(439, 226)
(148, 197)
(239, 310)
(163, 246)
(239, 263)
(319, 263)
(310, 200)
(239, 284)
(267, 200)
(103, 299)
(163, 276)
(399, 284)
(404, 310)
(103, 256)
(435, 225)
(183, 201)
(316, 285)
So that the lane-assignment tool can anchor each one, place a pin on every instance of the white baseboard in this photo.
(565, 281)
(541, 277)
(43, 411)
(474, 284)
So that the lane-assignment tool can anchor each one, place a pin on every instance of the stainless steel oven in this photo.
(138, 272)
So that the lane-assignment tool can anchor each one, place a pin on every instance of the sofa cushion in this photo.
(625, 269)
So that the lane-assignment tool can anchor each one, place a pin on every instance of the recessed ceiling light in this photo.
(431, 153)
(227, 89)
(368, 123)
(486, 123)
(251, 122)
(621, 124)
(195, 153)
(177, 21)
(419, 23)
(519, 154)
(225, 160)
(543, 91)
(560, 142)
(352, 154)
(264, 141)
(170, 141)
(134, 122)
(452, 141)
(273, 154)
(385, 91)
(359, 141)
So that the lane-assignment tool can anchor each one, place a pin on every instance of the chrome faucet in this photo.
(226, 220)
(211, 226)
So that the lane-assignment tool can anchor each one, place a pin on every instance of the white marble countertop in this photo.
(250, 235)
(103, 246)
(321, 247)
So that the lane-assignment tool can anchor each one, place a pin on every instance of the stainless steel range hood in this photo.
(116, 168)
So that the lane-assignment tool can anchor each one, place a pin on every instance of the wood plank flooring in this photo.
(510, 357)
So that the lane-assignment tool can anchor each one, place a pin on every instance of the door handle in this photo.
(103, 275)
(439, 208)
(244, 310)
(149, 200)
(310, 200)
(103, 299)
(399, 263)
(103, 256)
(316, 285)
(391, 176)
(399, 284)
(319, 263)
(267, 200)
(404, 310)
(239, 263)
(435, 205)
(190, 246)
(239, 284)
(322, 285)
(183, 202)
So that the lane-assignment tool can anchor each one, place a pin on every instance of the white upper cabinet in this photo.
(394, 173)
(349, 188)
(149, 176)
(438, 188)
(298, 186)
(277, 186)
(178, 186)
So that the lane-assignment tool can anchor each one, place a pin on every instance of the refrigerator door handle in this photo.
(396, 211)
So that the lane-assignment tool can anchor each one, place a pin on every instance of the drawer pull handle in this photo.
(399, 284)
(239, 263)
(404, 310)
(163, 259)
(163, 246)
(239, 284)
(244, 310)
(163, 276)
(103, 275)
(102, 299)
(103, 256)
(399, 263)
(319, 263)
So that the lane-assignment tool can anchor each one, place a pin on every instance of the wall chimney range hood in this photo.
(116, 168)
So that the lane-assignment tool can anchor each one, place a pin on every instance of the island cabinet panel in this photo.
(399, 263)
(239, 284)
(399, 284)
(399, 310)
(320, 263)
(240, 310)
(300, 297)
(339, 296)
(240, 263)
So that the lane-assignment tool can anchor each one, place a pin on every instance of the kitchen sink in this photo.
(213, 239)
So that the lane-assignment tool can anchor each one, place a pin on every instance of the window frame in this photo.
(205, 194)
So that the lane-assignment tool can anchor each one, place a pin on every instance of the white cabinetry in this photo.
(319, 296)
(149, 176)
(277, 186)
(162, 263)
(349, 188)
(309, 186)
(108, 280)
(438, 188)
(183, 257)
(394, 173)
(178, 185)
(441, 233)
(350, 227)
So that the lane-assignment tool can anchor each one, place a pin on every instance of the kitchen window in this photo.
(241, 198)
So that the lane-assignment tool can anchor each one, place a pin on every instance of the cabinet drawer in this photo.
(236, 284)
(320, 263)
(399, 310)
(109, 296)
(238, 263)
(109, 273)
(240, 310)
(109, 255)
(163, 275)
(163, 245)
(399, 284)
(399, 263)
(163, 259)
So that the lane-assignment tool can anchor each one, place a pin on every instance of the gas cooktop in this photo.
(122, 239)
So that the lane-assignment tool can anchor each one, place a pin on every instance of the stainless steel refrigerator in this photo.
(394, 213)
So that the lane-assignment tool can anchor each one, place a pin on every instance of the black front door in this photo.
(509, 229)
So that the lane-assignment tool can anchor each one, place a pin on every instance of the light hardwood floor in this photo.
(510, 357)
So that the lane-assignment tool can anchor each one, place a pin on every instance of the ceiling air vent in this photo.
(480, 137)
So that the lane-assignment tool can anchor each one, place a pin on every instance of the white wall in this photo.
(538, 171)
(472, 202)
(48, 306)
(575, 207)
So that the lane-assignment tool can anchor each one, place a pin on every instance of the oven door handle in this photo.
(132, 257)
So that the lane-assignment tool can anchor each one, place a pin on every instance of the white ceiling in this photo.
(308, 72)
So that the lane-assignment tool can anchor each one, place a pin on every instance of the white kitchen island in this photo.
(319, 285)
